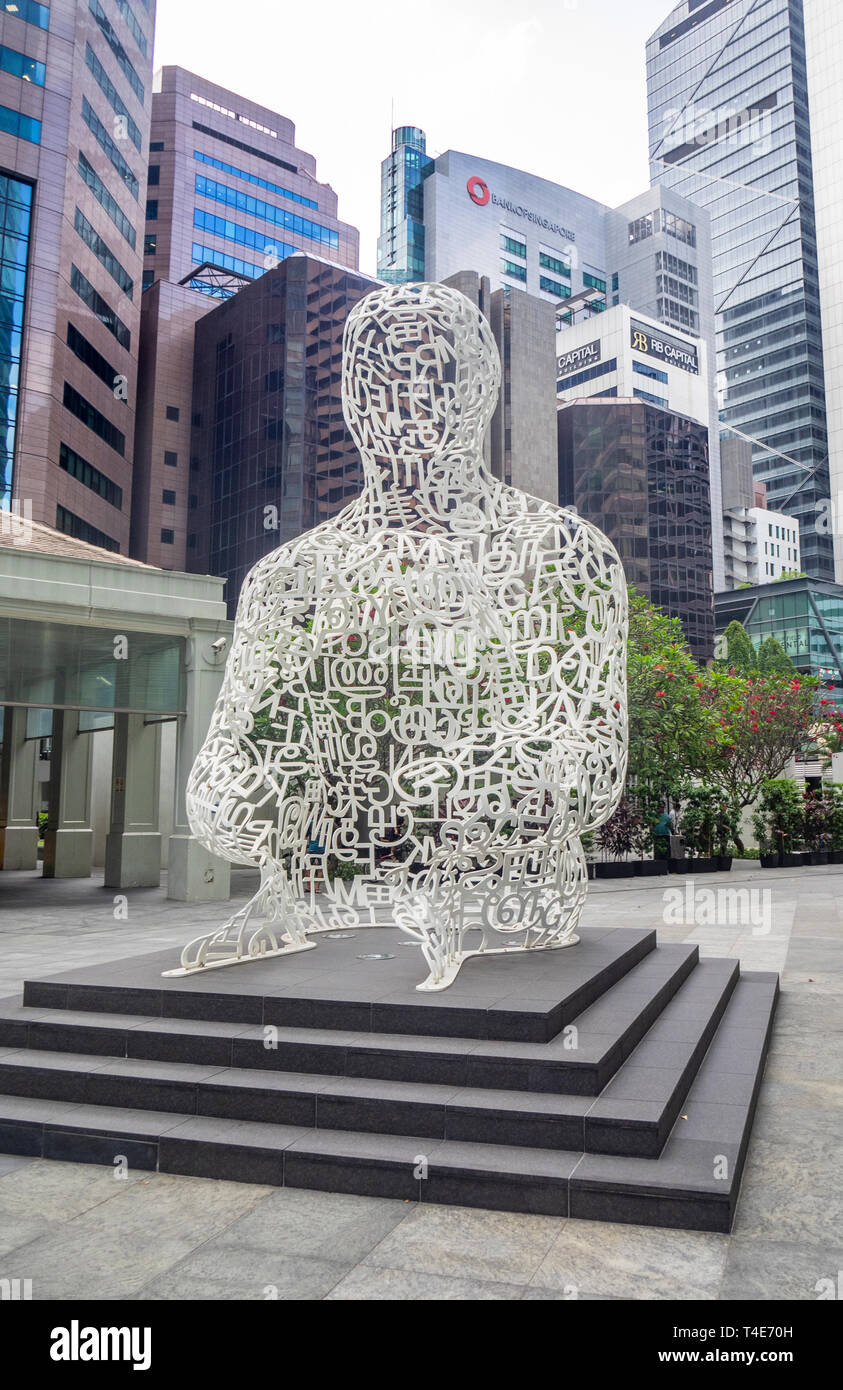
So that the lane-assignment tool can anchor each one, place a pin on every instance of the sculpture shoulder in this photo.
(286, 579)
(550, 530)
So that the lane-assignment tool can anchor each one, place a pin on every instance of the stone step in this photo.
(693, 1185)
(524, 996)
(577, 1063)
(633, 1116)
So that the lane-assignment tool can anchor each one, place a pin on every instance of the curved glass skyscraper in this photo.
(729, 129)
(401, 242)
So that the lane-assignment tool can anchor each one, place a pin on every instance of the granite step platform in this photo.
(580, 1060)
(525, 996)
(693, 1184)
(633, 1116)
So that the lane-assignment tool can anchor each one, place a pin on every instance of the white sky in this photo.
(556, 87)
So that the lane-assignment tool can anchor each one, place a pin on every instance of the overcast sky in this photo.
(556, 87)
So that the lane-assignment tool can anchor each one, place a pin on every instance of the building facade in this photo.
(730, 130)
(75, 101)
(230, 196)
(804, 615)
(523, 232)
(273, 455)
(640, 472)
(824, 64)
(401, 242)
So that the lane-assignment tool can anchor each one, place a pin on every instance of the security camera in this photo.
(220, 645)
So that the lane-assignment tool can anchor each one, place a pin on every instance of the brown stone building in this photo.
(230, 196)
(75, 102)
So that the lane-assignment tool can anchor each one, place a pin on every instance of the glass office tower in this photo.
(401, 243)
(729, 129)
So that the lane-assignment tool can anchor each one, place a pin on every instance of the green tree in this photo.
(735, 652)
(773, 660)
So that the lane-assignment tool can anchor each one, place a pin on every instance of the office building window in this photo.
(152, 209)
(168, 497)
(167, 536)
(191, 542)
(266, 212)
(134, 28)
(222, 259)
(154, 177)
(679, 228)
(90, 416)
(513, 247)
(253, 178)
(20, 126)
(155, 146)
(117, 49)
(106, 144)
(515, 272)
(602, 369)
(112, 96)
(646, 370)
(73, 525)
(247, 149)
(548, 262)
(172, 412)
(30, 13)
(615, 281)
(148, 280)
(104, 255)
(150, 244)
(593, 282)
(99, 307)
(171, 459)
(87, 353)
(643, 227)
(20, 65)
(90, 477)
(646, 396)
(105, 200)
(554, 287)
(15, 215)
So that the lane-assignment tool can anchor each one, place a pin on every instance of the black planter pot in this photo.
(724, 862)
(796, 859)
(693, 866)
(835, 856)
(622, 869)
(647, 868)
(770, 861)
(818, 856)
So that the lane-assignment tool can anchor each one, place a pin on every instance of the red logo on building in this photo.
(478, 191)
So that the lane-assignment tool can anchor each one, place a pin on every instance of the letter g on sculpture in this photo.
(429, 689)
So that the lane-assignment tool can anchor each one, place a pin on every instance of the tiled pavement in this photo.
(77, 1231)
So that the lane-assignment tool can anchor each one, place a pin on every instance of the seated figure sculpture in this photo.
(430, 686)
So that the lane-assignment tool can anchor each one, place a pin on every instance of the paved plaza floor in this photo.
(78, 1232)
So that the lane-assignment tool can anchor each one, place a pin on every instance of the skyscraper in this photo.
(75, 97)
(730, 129)
(401, 242)
(230, 196)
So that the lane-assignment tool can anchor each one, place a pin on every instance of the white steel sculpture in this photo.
(431, 685)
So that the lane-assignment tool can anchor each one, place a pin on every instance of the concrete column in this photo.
(68, 837)
(133, 844)
(193, 873)
(19, 793)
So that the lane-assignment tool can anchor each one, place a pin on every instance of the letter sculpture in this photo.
(430, 686)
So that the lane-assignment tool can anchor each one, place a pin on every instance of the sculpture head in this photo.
(421, 374)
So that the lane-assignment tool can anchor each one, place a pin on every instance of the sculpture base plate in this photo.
(448, 976)
(223, 961)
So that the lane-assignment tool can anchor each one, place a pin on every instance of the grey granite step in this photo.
(694, 1183)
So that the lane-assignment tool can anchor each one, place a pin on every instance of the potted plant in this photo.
(817, 811)
(779, 822)
(699, 826)
(835, 794)
(618, 837)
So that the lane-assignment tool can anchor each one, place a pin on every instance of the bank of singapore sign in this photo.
(479, 193)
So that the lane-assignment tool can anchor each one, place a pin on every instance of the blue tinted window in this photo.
(22, 127)
(19, 65)
(113, 97)
(253, 178)
(39, 15)
(15, 212)
(105, 200)
(266, 212)
(106, 143)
